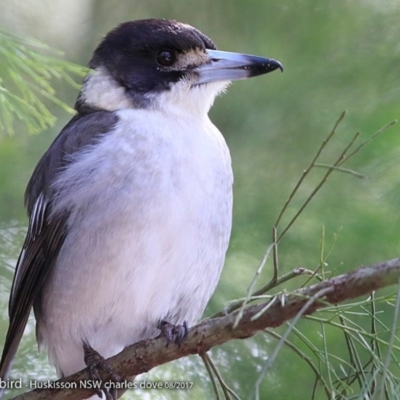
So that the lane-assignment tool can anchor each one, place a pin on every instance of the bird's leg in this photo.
(173, 333)
(95, 361)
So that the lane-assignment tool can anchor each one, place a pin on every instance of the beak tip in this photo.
(276, 65)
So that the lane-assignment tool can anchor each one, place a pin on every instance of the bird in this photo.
(130, 208)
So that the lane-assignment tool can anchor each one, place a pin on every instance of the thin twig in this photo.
(374, 345)
(304, 357)
(351, 350)
(226, 389)
(381, 390)
(322, 260)
(349, 329)
(252, 285)
(272, 357)
(275, 255)
(341, 169)
(255, 296)
(308, 169)
(206, 359)
(370, 139)
(340, 159)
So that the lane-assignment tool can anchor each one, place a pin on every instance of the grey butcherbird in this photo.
(131, 206)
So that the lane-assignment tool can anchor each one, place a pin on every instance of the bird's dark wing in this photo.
(46, 232)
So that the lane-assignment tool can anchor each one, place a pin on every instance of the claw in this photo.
(95, 362)
(173, 333)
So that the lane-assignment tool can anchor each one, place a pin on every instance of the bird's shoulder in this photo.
(46, 232)
(81, 131)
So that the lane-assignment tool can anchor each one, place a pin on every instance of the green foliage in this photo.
(26, 73)
(363, 360)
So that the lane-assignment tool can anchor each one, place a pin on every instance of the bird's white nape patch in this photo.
(100, 90)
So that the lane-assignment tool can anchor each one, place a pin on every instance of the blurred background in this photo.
(338, 55)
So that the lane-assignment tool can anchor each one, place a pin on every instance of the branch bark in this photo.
(143, 356)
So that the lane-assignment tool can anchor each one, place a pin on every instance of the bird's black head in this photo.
(146, 56)
(139, 60)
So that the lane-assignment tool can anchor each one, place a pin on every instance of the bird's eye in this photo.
(165, 58)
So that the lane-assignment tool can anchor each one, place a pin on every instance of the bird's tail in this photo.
(14, 335)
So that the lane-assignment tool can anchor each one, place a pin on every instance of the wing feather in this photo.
(46, 232)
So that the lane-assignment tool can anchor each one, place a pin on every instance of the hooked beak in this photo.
(227, 66)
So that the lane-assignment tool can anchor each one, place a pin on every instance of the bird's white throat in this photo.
(101, 91)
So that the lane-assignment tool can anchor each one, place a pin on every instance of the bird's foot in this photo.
(95, 362)
(173, 333)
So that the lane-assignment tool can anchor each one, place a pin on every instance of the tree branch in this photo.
(143, 356)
